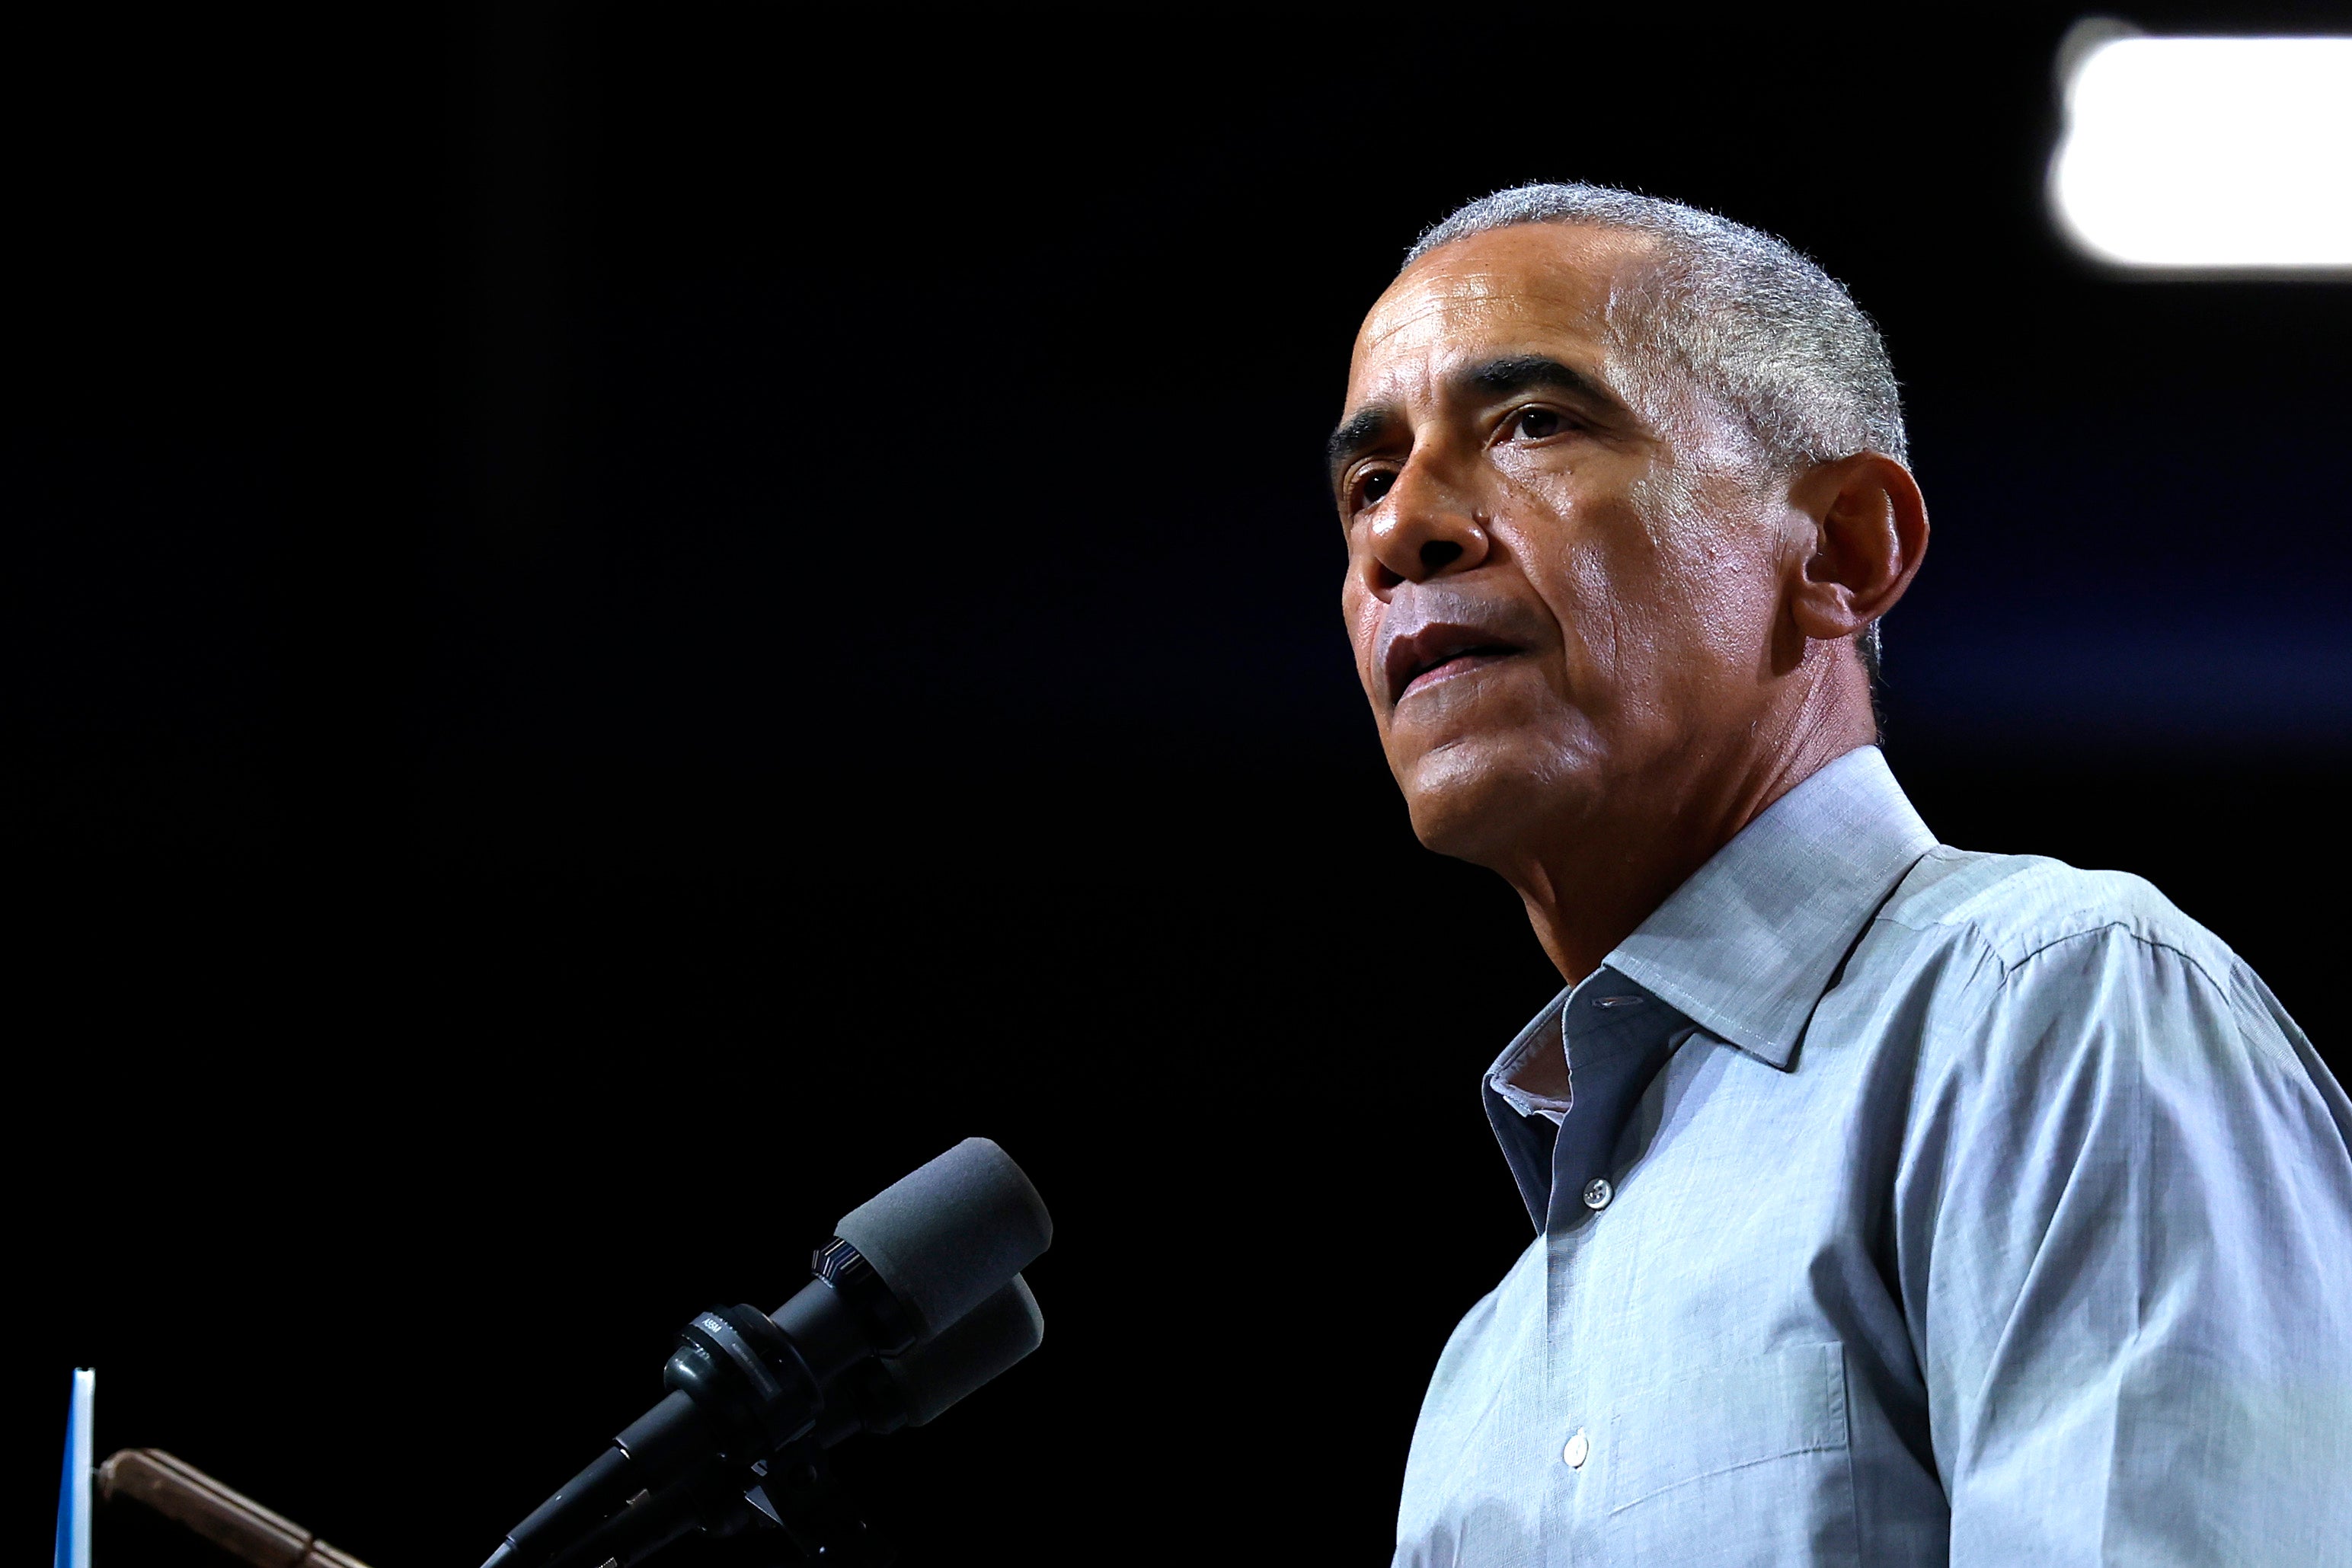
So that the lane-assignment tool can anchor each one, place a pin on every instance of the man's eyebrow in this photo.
(1367, 426)
(1524, 372)
(1357, 433)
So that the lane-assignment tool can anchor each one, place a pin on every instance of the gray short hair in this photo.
(1749, 318)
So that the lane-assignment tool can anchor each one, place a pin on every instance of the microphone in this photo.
(901, 1269)
(793, 1488)
(995, 1334)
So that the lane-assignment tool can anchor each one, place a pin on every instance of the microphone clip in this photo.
(798, 1494)
(747, 1377)
(792, 1499)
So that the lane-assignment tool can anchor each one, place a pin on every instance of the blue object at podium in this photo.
(73, 1490)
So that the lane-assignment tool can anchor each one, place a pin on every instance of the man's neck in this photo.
(1592, 885)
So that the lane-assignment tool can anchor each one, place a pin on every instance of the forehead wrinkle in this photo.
(1553, 275)
(1417, 343)
(1459, 318)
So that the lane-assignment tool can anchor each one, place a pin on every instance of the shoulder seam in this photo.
(1975, 930)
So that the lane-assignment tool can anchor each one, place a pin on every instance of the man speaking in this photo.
(1895, 1204)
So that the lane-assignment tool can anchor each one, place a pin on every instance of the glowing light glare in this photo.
(2210, 155)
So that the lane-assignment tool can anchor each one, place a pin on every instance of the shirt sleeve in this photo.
(2123, 1227)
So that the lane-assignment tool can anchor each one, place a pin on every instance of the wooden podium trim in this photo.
(229, 1520)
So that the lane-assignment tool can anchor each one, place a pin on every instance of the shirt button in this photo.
(1597, 1192)
(1577, 1451)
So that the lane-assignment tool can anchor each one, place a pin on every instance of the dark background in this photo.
(623, 623)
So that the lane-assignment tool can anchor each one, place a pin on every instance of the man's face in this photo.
(1558, 603)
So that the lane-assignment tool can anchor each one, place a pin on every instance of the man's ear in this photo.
(1869, 535)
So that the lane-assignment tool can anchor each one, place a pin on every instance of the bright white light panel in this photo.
(2210, 155)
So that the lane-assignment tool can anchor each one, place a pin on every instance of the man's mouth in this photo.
(1454, 665)
(1440, 653)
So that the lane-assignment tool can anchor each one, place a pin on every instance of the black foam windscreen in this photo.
(985, 1341)
(950, 1235)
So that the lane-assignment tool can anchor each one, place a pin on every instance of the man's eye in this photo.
(1535, 423)
(1372, 487)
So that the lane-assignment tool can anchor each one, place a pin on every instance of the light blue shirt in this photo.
(1983, 1210)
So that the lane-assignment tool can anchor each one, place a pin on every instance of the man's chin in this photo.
(1477, 806)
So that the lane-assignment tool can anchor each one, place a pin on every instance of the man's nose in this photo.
(1423, 529)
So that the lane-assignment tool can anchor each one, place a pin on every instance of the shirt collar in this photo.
(1746, 948)
(1543, 1034)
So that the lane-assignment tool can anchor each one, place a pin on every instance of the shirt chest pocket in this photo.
(1736, 1416)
